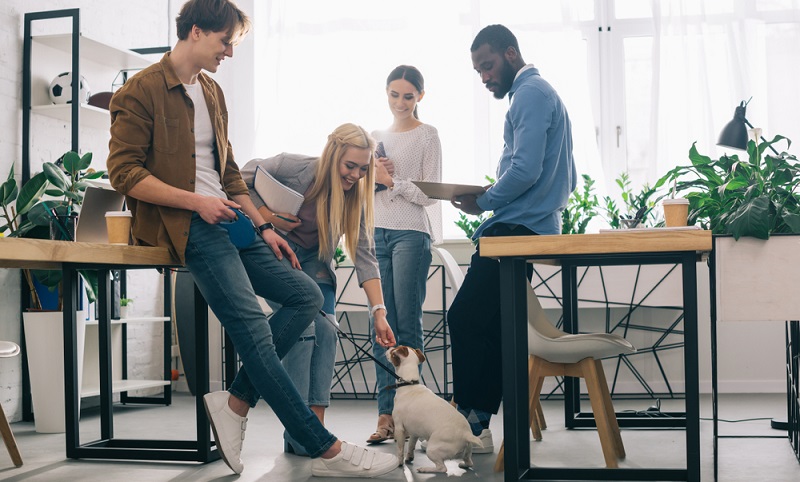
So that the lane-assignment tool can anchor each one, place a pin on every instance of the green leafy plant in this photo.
(581, 208)
(755, 196)
(635, 205)
(339, 256)
(27, 211)
(125, 301)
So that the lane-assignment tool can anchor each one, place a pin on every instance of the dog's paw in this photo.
(465, 465)
(409, 460)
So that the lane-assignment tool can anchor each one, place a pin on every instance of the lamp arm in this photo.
(762, 137)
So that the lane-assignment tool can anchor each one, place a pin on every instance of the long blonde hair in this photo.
(339, 211)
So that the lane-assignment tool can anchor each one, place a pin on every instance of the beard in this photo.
(506, 80)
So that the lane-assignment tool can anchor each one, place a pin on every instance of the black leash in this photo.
(390, 372)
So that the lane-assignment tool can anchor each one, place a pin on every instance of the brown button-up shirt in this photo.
(152, 134)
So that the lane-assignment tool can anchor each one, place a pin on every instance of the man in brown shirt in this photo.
(170, 155)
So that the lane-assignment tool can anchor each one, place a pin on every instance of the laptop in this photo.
(97, 201)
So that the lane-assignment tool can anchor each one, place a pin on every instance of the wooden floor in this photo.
(740, 459)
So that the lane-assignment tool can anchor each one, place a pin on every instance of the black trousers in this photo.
(474, 322)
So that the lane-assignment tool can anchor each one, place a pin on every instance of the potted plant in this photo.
(27, 212)
(745, 203)
(125, 307)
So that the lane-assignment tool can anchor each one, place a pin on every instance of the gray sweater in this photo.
(297, 172)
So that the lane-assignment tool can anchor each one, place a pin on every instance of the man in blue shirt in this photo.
(535, 177)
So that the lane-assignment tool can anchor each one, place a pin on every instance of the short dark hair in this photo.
(213, 16)
(410, 74)
(499, 38)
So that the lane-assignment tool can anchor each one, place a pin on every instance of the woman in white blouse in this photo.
(406, 222)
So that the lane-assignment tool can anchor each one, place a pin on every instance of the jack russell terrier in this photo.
(420, 414)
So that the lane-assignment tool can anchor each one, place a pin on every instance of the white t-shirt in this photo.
(417, 156)
(207, 182)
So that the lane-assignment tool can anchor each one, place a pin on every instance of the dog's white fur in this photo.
(420, 414)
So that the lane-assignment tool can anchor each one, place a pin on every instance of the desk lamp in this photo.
(734, 134)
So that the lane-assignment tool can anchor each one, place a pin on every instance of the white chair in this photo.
(454, 274)
(9, 349)
(556, 353)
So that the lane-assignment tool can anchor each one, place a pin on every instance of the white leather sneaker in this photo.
(485, 436)
(355, 461)
(228, 428)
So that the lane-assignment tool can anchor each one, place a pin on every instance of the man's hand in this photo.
(383, 332)
(279, 246)
(467, 203)
(214, 210)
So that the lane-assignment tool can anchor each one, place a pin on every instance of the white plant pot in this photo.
(124, 311)
(44, 341)
(757, 279)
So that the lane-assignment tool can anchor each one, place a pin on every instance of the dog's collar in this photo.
(402, 383)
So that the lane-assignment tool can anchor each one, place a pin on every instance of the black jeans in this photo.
(474, 322)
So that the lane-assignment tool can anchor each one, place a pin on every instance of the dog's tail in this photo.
(475, 441)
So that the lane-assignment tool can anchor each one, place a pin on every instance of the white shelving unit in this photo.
(45, 57)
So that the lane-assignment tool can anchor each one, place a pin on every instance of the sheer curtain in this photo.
(320, 64)
(710, 55)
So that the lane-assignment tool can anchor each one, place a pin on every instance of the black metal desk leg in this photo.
(689, 269)
(712, 283)
(71, 389)
(514, 340)
(201, 377)
(569, 306)
(104, 354)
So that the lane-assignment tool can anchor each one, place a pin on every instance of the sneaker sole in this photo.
(216, 437)
(327, 473)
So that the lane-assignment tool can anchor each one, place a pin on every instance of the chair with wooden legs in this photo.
(556, 353)
(9, 349)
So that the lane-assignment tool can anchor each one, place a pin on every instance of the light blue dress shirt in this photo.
(536, 173)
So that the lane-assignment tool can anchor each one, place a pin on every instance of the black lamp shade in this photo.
(734, 134)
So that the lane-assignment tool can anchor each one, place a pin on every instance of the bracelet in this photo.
(376, 308)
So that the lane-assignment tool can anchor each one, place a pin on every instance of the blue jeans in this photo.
(311, 360)
(229, 279)
(404, 258)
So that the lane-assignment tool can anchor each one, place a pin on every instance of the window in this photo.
(641, 80)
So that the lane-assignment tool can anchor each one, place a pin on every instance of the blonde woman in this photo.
(339, 191)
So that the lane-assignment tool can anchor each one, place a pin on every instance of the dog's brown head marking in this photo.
(397, 354)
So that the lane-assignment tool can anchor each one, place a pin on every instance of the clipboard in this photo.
(278, 197)
(445, 191)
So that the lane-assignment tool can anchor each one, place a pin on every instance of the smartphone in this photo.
(380, 151)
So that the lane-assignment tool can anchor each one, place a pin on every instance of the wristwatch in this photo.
(264, 227)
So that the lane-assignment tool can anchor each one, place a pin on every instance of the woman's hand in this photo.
(279, 246)
(383, 332)
(284, 221)
(384, 169)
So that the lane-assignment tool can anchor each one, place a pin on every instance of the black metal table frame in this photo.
(515, 376)
(108, 447)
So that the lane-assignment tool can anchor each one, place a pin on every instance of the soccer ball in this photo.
(61, 89)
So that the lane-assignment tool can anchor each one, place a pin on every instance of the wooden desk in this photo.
(614, 248)
(70, 257)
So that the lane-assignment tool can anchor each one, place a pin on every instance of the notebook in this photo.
(278, 197)
(91, 227)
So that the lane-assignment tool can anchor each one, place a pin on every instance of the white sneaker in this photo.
(485, 436)
(228, 428)
(355, 461)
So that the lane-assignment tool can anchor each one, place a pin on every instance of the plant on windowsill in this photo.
(637, 207)
(755, 196)
(469, 223)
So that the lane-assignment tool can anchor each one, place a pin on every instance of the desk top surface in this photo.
(46, 254)
(620, 242)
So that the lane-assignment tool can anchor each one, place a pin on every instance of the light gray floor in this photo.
(740, 459)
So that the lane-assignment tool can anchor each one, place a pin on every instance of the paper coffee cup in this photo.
(118, 224)
(676, 212)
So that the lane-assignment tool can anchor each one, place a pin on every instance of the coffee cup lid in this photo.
(677, 200)
(111, 214)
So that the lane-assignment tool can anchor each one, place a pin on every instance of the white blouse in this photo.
(417, 156)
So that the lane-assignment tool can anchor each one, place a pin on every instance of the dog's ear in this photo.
(398, 354)
(394, 358)
(419, 355)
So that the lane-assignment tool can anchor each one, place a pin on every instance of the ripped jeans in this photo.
(311, 360)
